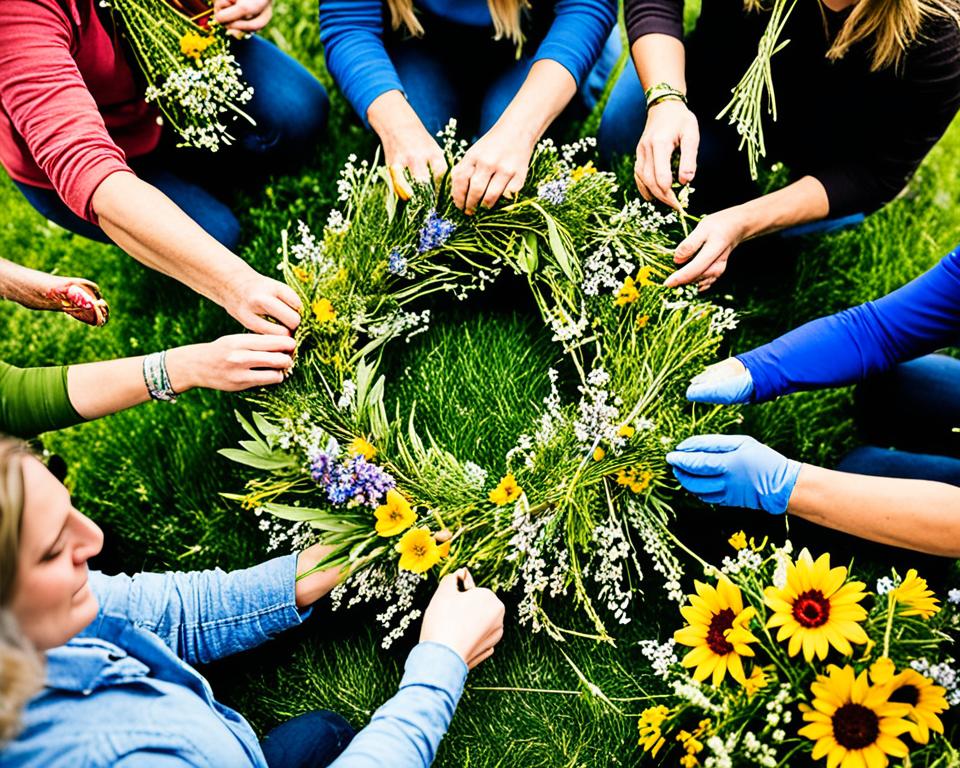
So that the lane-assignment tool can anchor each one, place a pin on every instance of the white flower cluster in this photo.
(782, 556)
(396, 590)
(350, 174)
(292, 538)
(599, 413)
(475, 475)
(569, 152)
(566, 328)
(691, 691)
(662, 656)
(723, 319)
(604, 271)
(347, 397)
(610, 569)
(478, 280)
(452, 146)
(885, 585)
(644, 214)
(665, 561)
(401, 322)
(686, 295)
(746, 560)
(953, 596)
(337, 223)
(528, 545)
(942, 674)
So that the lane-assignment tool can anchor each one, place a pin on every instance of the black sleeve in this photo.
(644, 17)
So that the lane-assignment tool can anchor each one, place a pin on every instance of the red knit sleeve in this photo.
(49, 104)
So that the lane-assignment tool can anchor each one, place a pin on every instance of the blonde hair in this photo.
(21, 675)
(12, 453)
(505, 14)
(892, 25)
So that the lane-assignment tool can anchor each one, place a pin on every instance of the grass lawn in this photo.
(152, 476)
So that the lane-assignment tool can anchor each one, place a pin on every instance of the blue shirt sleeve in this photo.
(577, 34)
(352, 35)
(406, 731)
(918, 318)
(206, 615)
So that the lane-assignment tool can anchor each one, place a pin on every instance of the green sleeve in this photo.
(34, 400)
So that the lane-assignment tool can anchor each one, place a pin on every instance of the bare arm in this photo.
(916, 514)
(311, 588)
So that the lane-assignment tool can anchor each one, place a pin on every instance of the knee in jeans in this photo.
(335, 724)
(223, 227)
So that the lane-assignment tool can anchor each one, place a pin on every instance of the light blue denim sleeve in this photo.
(406, 731)
(206, 615)
(577, 35)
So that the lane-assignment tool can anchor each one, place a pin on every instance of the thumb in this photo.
(449, 585)
(466, 578)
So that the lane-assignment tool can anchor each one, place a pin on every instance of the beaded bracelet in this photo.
(156, 378)
(663, 92)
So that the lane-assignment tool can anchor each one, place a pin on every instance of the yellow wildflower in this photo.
(192, 45)
(635, 479)
(643, 276)
(418, 551)
(642, 321)
(507, 491)
(738, 541)
(915, 597)
(627, 294)
(882, 671)
(395, 516)
(598, 453)
(323, 310)
(582, 170)
(651, 736)
(626, 431)
(689, 761)
(359, 446)
(300, 273)
(756, 681)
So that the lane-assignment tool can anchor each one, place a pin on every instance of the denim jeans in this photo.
(454, 72)
(311, 740)
(723, 178)
(290, 109)
(907, 416)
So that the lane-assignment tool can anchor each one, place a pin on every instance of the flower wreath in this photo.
(582, 492)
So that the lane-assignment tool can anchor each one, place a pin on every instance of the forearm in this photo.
(916, 514)
(19, 283)
(545, 93)
(150, 227)
(311, 588)
(798, 203)
(390, 115)
(660, 58)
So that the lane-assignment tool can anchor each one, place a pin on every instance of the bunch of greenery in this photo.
(582, 491)
(874, 678)
(185, 58)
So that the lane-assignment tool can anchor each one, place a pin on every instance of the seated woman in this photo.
(506, 70)
(91, 155)
(910, 399)
(120, 689)
(35, 400)
(863, 90)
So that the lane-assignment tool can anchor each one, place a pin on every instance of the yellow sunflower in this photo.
(717, 631)
(817, 609)
(914, 595)
(853, 723)
(924, 699)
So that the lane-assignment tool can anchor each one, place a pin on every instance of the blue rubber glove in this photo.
(735, 471)
(707, 387)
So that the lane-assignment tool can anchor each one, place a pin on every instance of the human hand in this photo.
(253, 298)
(707, 249)
(670, 124)
(496, 166)
(74, 296)
(735, 471)
(468, 622)
(725, 383)
(407, 144)
(231, 363)
(243, 16)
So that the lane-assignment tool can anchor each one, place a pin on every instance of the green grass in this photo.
(152, 476)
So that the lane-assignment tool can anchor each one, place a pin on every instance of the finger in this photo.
(736, 389)
(493, 637)
(259, 343)
(515, 185)
(705, 285)
(647, 173)
(449, 584)
(695, 269)
(713, 443)
(281, 312)
(699, 484)
(478, 186)
(419, 170)
(251, 25)
(642, 188)
(460, 182)
(480, 658)
(697, 464)
(438, 167)
(89, 285)
(263, 379)
(495, 189)
(274, 360)
(691, 244)
(689, 145)
(664, 174)
(235, 12)
(261, 324)
(466, 579)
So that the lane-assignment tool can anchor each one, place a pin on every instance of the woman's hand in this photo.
(723, 383)
(463, 617)
(243, 16)
(496, 166)
(254, 298)
(231, 363)
(407, 144)
(74, 296)
(707, 248)
(670, 124)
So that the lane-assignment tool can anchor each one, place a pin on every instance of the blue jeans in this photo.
(454, 72)
(311, 740)
(290, 109)
(907, 416)
(723, 177)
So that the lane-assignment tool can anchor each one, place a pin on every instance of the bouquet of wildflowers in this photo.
(794, 662)
(191, 75)
(581, 496)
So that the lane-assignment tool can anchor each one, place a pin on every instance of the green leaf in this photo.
(318, 518)
(529, 255)
(275, 461)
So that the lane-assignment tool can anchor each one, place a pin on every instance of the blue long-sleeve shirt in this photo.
(918, 318)
(124, 693)
(352, 35)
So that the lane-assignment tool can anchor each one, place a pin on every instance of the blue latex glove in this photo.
(735, 471)
(725, 390)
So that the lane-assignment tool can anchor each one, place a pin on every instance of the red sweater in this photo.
(70, 109)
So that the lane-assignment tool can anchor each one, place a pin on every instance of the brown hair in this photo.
(12, 453)
(505, 14)
(21, 675)
(892, 26)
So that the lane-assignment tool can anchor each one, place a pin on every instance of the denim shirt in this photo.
(123, 692)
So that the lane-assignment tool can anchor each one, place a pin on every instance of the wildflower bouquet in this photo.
(185, 58)
(569, 508)
(793, 662)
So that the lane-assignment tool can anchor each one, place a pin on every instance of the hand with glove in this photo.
(724, 383)
(735, 471)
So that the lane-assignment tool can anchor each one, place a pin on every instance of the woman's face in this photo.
(52, 601)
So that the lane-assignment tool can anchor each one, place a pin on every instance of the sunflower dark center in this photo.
(906, 694)
(720, 623)
(811, 609)
(855, 726)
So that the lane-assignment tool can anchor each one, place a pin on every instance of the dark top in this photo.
(861, 133)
